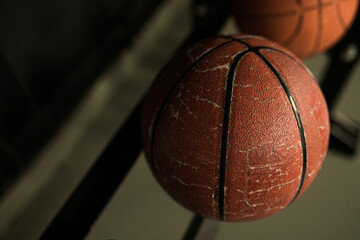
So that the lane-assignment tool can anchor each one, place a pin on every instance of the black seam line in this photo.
(298, 25)
(320, 27)
(341, 19)
(271, 48)
(224, 140)
(298, 120)
(242, 42)
(286, 54)
(293, 105)
(161, 109)
(297, 30)
(287, 13)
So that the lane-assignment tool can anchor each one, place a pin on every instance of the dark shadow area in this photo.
(50, 54)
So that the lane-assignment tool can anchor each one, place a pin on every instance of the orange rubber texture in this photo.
(235, 128)
(306, 27)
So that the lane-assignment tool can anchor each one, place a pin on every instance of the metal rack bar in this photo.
(93, 193)
(343, 58)
(202, 229)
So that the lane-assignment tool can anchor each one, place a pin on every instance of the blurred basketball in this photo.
(306, 27)
(235, 128)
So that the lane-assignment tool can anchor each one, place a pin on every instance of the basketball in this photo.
(306, 27)
(235, 128)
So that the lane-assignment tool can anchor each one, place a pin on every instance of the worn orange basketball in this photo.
(235, 128)
(306, 27)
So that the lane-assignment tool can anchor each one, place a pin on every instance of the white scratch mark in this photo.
(225, 66)
(179, 96)
(274, 208)
(311, 173)
(270, 148)
(265, 101)
(208, 101)
(255, 147)
(272, 187)
(188, 52)
(180, 163)
(243, 85)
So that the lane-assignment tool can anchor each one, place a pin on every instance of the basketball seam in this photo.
(296, 31)
(226, 122)
(294, 108)
(298, 120)
(320, 27)
(298, 26)
(286, 54)
(341, 19)
(162, 106)
(274, 49)
(287, 13)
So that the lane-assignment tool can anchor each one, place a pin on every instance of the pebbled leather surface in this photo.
(183, 118)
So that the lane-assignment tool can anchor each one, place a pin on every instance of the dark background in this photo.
(50, 53)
